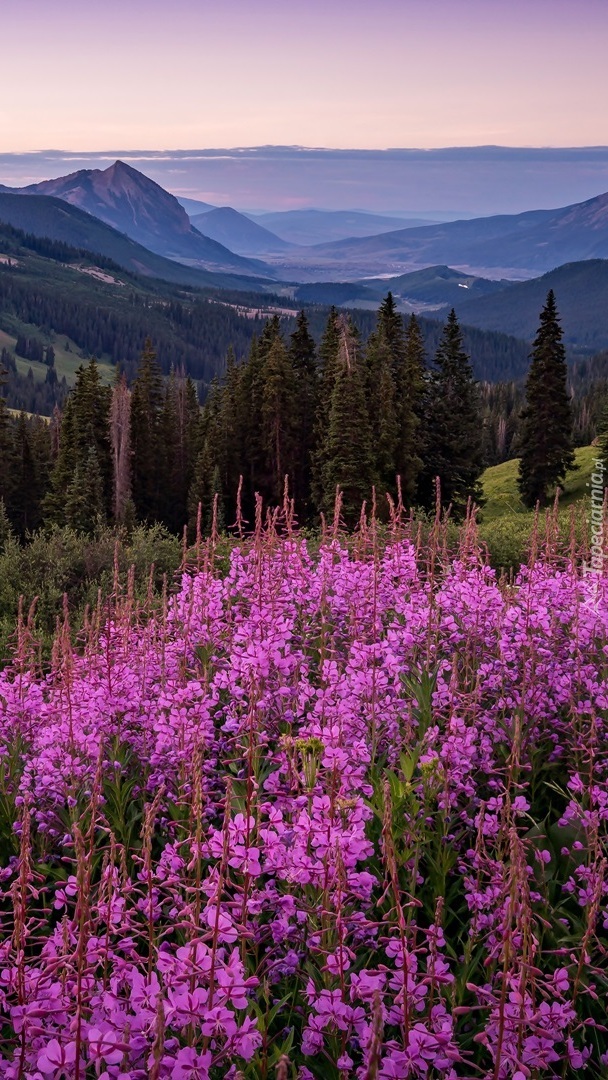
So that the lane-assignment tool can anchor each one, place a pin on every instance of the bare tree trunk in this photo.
(120, 434)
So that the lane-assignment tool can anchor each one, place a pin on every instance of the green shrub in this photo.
(63, 562)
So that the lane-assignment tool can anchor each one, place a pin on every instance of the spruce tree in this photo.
(31, 464)
(7, 449)
(217, 492)
(453, 437)
(329, 366)
(249, 406)
(409, 380)
(347, 454)
(382, 409)
(84, 427)
(181, 424)
(66, 459)
(234, 423)
(395, 403)
(91, 400)
(302, 352)
(277, 423)
(329, 359)
(147, 399)
(200, 488)
(170, 493)
(6, 530)
(545, 440)
(84, 500)
(209, 464)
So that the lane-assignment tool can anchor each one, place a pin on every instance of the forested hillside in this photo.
(346, 411)
(343, 415)
(50, 292)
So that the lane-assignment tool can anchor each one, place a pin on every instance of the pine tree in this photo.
(234, 423)
(329, 361)
(65, 461)
(453, 438)
(248, 407)
(84, 427)
(84, 501)
(200, 487)
(409, 379)
(348, 460)
(303, 357)
(147, 401)
(6, 530)
(91, 401)
(545, 441)
(31, 474)
(209, 464)
(277, 422)
(7, 449)
(382, 409)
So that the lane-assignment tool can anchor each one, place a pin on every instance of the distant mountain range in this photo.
(535, 241)
(195, 206)
(133, 204)
(121, 214)
(309, 227)
(238, 232)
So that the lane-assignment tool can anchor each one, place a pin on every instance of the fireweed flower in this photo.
(57, 1059)
(326, 802)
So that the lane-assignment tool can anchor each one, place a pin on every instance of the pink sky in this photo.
(80, 75)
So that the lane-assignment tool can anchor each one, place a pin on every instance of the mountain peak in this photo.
(137, 206)
(122, 197)
(119, 168)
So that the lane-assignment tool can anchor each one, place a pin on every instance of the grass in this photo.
(507, 526)
(502, 496)
(67, 361)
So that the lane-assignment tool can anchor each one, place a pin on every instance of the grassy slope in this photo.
(500, 486)
(507, 527)
(66, 361)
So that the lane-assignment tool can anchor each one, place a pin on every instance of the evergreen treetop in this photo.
(453, 438)
(545, 442)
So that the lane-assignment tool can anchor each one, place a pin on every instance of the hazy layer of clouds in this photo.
(469, 179)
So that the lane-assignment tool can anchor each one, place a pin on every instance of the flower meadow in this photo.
(326, 813)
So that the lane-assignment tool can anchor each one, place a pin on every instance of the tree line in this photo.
(360, 418)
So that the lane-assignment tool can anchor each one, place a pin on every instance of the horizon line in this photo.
(302, 146)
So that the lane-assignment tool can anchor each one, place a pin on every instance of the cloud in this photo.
(471, 180)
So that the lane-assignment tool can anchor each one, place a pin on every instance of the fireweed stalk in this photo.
(327, 814)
